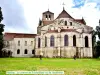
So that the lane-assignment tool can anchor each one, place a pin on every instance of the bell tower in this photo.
(48, 16)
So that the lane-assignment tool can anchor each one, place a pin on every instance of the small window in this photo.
(71, 23)
(25, 52)
(25, 43)
(66, 23)
(18, 51)
(46, 16)
(49, 17)
(18, 43)
(31, 43)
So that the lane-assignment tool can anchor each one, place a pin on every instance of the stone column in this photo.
(59, 42)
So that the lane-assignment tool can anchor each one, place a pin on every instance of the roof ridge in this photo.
(64, 14)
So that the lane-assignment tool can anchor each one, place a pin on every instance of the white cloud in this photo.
(33, 10)
(90, 14)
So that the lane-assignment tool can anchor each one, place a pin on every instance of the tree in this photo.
(1, 34)
(94, 43)
(96, 47)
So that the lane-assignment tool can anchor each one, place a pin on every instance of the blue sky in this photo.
(23, 15)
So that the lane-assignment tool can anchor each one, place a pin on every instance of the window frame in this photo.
(25, 43)
(74, 40)
(65, 23)
(18, 43)
(86, 41)
(39, 42)
(52, 41)
(18, 51)
(25, 51)
(66, 40)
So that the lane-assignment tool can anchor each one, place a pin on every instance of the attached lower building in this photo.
(20, 44)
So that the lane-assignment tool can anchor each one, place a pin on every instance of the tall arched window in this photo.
(86, 42)
(45, 41)
(66, 40)
(25, 52)
(52, 41)
(74, 40)
(33, 51)
(71, 23)
(18, 51)
(66, 23)
(39, 42)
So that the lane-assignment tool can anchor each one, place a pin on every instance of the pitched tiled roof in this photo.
(11, 36)
(64, 14)
(48, 12)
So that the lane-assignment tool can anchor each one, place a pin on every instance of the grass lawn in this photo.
(69, 66)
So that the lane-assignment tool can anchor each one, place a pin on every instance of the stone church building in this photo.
(63, 36)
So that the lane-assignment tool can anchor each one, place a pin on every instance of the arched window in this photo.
(46, 17)
(9, 52)
(33, 51)
(71, 23)
(66, 40)
(66, 23)
(45, 41)
(18, 51)
(86, 42)
(49, 17)
(74, 40)
(39, 42)
(52, 41)
(25, 52)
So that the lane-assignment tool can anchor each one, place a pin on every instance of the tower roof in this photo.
(48, 12)
(64, 14)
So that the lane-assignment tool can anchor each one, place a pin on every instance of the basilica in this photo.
(63, 36)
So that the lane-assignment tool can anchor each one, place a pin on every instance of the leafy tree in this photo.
(97, 45)
(94, 43)
(1, 34)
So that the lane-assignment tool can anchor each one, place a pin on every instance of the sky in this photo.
(22, 16)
